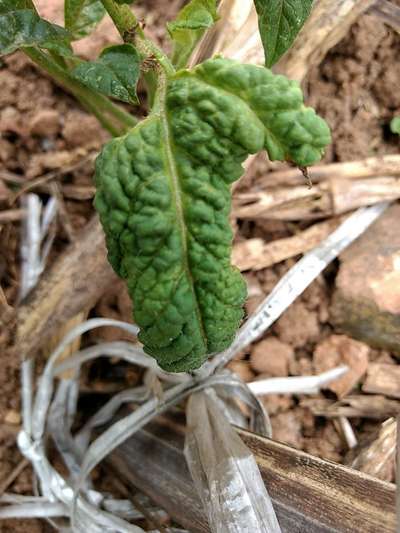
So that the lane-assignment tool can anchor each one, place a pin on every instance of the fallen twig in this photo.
(74, 282)
(388, 12)
(308, 493)
(12, 476)
(12, 215)
(256, 254)
(53, 174)
(327, 199)
(386, 165)
(296, 384)
(383, 379)
(377, 456)
(355, 406)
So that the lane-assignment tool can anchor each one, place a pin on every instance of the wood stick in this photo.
(376, 407)
(256, 254)
(327, 199)
(328, 23)
(383, 379)
(12, 215)
(73, 347)
(386, 165)
(387, 12)
(309, 494)
(376, 456)
(73, 283)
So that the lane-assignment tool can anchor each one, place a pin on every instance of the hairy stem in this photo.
(113, 118)
(131, 32)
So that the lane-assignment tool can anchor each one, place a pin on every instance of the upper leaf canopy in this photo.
(82, 16)
(279, 22)
(23, 27)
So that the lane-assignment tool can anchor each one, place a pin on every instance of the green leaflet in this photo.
(279, 22)
(163, 195)
(115, 73)
(395, 125)
(12, 5)
(82, 16)
(24, 27)
(188, 28)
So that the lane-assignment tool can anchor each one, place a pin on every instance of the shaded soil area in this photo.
(43, 130)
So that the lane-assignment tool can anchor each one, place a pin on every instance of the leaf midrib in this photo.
(174, 179)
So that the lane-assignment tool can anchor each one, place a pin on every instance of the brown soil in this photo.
(41, 127)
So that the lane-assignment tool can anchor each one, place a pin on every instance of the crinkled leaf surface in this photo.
(115, 73)
(163, 195)
(24, 27)
(189, 26)
(82, 16)
(279, 22)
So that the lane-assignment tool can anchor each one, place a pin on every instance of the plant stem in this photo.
(123, 18)
(131, 31)
(112, 117)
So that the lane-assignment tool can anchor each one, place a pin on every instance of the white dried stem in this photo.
(296, 385)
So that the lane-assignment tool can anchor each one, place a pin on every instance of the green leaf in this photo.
(25, 28)
(115, 73)
(163, 195)
(189, 26)
(82, 16)
(279, 22)
(12, 5)
(395, 125)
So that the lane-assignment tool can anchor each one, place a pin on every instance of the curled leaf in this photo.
(115, 73)
(163, 195)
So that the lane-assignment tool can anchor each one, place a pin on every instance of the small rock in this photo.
(7, 150)
(341, 350)
(268, 279)
(271, 356)
(301, 366)
(276, 403)
(366, 304)
(316, 298)
(11, 121)
(41, 162)
(45, 123)
(298, 325)
(286, 427)
(325, 443)
(81, 129)
(242, 369)
(255, 294)
(12, 417)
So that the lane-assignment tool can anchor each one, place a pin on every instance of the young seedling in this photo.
(163, 186)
